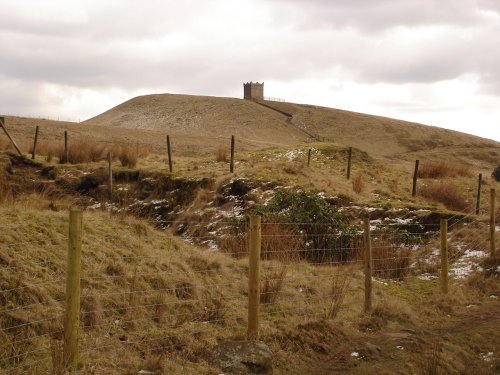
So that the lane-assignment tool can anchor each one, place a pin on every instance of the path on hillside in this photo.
(292, 120)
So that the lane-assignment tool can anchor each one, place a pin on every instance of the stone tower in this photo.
(253, 90)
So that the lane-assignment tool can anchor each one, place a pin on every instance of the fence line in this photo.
(295, 282)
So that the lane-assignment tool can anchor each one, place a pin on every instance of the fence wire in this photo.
(132, 297)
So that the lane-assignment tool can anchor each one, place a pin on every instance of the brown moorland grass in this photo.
(447, 193)
(443, 169)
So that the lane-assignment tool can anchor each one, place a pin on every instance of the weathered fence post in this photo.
(35, 142)
(72, 313)
(254, 242)
(2, 125)
(492, 222)
(66, 152)
(444, 256)
(349, 158)
(415, 178)
(368, 266)
(169, 152)
(309, 158)
(478, 200)
(231, 166)
(110, 175)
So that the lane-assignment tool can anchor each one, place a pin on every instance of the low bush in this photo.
(324, 231)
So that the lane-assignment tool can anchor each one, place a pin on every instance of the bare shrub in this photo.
(357, 184)
(390, 261)
(445, 193)
(443, 169)
(128, 157)
(221, 155)
(340, 285)
(272, 284)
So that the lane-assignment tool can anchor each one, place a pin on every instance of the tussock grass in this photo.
(443, 169)
(447, 193)
(358, 184)
(221, 155)
(390, 261)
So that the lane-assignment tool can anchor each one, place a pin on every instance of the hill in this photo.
(211, 116)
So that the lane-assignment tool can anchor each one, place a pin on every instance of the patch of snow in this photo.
(403, 221)
(470, 306)
(426, 277)
(467, 263)
(355, 354)
(493, 297)
(399, 347)
(487, 356)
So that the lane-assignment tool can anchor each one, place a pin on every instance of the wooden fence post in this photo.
(2, 125)
(35, 142)
(110, 175)
(254, 243)
(415, 178)
(169, 152)
(231, 166)
(368, 266)
(492, 222)
(478, 200)
(444, 256)
(349, 157)
(66, 152)
(309, 158)
(72, 313)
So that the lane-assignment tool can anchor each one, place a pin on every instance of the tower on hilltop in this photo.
(253, 90)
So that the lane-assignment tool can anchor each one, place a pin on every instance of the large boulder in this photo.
(243, 357)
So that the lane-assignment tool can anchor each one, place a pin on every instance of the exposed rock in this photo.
(243, 357)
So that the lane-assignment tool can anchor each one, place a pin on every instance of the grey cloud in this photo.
(378, 15)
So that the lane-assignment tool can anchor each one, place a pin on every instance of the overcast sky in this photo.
(430, 61)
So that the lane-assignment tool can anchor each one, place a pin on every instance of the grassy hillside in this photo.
(381, 135)
(153, 302)
(165, 268)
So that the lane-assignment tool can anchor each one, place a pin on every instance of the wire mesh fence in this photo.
(163, 297)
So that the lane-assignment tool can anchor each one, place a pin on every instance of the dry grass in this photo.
(128, 157)
(279, 242)
(358, 184)
(390, 261)
(443, 169)
(6, 194)
(447, 193)
(340, 286)
(272, 283)
(221, 155)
